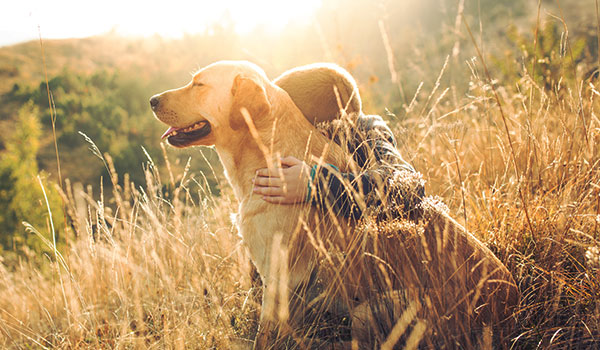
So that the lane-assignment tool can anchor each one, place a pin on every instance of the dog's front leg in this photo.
(266, 337)
(275, 304)
(270, 324)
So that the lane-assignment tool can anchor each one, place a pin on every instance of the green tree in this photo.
(556, 57)
(21, 196)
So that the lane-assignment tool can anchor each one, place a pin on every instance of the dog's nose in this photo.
(154, 102)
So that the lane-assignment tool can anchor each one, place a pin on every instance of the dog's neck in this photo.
(240, 158)
(285, 132)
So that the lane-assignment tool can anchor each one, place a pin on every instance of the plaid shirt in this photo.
(380, 181)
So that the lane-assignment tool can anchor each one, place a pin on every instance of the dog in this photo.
(444, 275)
(233, 106)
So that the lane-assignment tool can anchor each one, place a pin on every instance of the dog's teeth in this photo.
(194, 127)
(188, 129)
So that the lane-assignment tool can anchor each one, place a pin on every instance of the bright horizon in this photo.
(63, 19)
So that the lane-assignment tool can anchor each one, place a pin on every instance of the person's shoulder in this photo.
(372, 121)
(370, 118)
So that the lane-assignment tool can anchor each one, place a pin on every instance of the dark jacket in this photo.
(380, 181)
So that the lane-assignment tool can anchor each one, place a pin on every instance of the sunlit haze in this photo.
(19, 21)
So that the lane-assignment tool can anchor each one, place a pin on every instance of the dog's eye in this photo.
(197, 84)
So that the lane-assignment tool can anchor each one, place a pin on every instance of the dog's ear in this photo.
(251, 96)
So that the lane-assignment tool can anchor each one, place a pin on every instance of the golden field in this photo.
(506, 137)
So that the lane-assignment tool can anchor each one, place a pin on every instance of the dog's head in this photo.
(213, 105)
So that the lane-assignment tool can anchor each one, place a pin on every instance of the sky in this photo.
(55, 19)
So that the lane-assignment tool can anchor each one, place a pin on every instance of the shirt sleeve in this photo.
(382, 179)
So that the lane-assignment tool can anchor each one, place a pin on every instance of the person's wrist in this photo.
(310, 181)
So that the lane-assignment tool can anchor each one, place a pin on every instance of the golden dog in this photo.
(445, 275)
(233, 106)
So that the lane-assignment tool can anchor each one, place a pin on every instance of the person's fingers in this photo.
(275, 199)
(263, 172)
(290, 161)
(268, 191)
(273, 172)
(267, 181)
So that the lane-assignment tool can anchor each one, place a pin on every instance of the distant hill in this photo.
(90, 79)
(109, 77)
(101, 85)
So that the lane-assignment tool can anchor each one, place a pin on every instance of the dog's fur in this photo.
(251, 121)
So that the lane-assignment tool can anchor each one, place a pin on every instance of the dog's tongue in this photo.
(170, 130)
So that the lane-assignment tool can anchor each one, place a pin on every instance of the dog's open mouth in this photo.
(186, 136)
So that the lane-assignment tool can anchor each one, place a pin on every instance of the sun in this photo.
(271, 14)
(74, 18)
(181, 16)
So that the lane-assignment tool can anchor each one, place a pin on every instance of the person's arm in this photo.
(297, 182)
(385, 192)
(382, 180)
(343, 193)
(388, 180)
(346, 194)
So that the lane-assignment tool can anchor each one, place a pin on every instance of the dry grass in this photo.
(553, 177)
(158, 273)
(149, 269)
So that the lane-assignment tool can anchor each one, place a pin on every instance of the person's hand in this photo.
(285, 185)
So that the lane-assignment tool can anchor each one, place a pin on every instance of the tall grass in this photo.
(151, 268)
(522, 150)
(143, 271)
